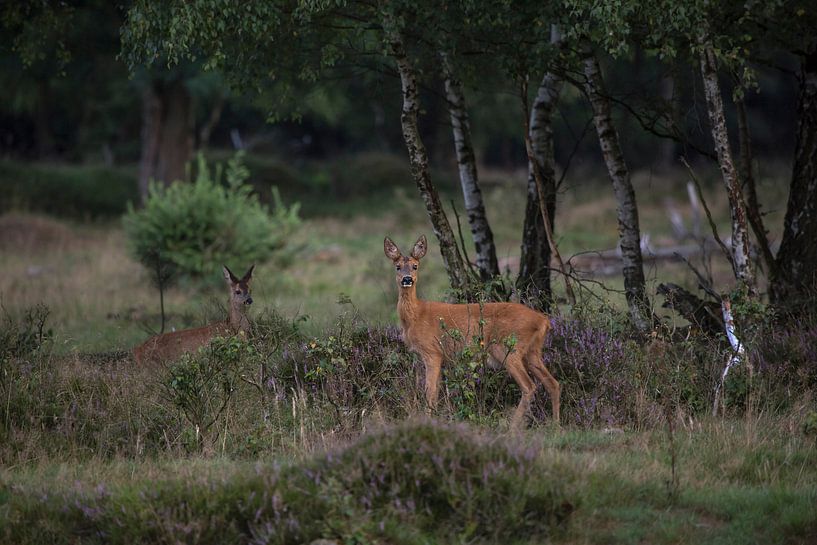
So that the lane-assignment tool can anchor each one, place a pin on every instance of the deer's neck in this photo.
(408, 306)
(238, 319)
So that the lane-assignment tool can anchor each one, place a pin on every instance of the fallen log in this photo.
(706, 315)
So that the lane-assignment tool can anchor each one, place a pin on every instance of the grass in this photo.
(93, 449)
(614, 487)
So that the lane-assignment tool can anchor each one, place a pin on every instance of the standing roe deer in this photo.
(170, 346)
(423, 322)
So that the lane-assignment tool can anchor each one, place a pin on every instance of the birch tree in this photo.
(534, 263)
(795, 281)
(741, 261)
(626, 206)
(467, 167)
(418, 157)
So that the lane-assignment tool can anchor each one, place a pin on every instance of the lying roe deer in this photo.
(170, 346)
(423, 324)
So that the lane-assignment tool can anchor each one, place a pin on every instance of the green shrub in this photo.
(476, 390)
(355, 367)
(197, 227)
(201, 385)
(76, 191)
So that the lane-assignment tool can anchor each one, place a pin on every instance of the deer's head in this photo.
(406, 267)
(239, 287)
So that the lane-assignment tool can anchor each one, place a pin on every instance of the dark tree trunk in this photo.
(454, 266)
(741, 263)
(747, 175)
(670, 93)
(795, 280)
(212, 121)
(167, 134)
(467, 164)
(151, 133)
(176, 144)
(626, 208)
(534, 265)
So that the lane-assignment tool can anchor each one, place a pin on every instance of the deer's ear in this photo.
(420, 247)
(228, 275)
(248, 275)
(390, 248)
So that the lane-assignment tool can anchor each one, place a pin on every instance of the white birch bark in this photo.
(466, 163)
(534, 263)
(627, 209)
(740, 233)
(418, 158)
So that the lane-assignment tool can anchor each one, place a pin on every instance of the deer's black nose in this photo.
(407, 281)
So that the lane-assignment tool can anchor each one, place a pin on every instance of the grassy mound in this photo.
(402, 485)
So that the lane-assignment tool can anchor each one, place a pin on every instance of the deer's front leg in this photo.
(433, 364)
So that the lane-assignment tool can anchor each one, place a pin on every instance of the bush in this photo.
(355, 368)
(201, 385)
(785, 360)
(197, 227)
(59, 406)
(610, 380)
(76, 191)
(592, 368)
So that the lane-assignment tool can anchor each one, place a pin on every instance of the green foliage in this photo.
(82, 192)
(355, 368)
(476, 390)
(201, 385)
(200, 226)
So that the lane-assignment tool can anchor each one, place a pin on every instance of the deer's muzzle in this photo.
(407, 282)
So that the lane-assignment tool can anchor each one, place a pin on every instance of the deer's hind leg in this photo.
(516, 368)
(534, 364)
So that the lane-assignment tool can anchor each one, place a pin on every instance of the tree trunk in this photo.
(794, 280)
(454, 266)
(534, 264)
(167, 133)
(212, 120)
(626, 208)
(670, 93)
(151, 132)
(466, 162)
(176, 144)
(749, 187)
(740, 234)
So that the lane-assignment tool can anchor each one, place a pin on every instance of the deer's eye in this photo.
(414, 267)
(238, 292)
(397, 267)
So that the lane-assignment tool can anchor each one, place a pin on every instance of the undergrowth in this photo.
(400, 485)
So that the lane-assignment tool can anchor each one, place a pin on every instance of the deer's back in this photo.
(171, 346)
(499, 322)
